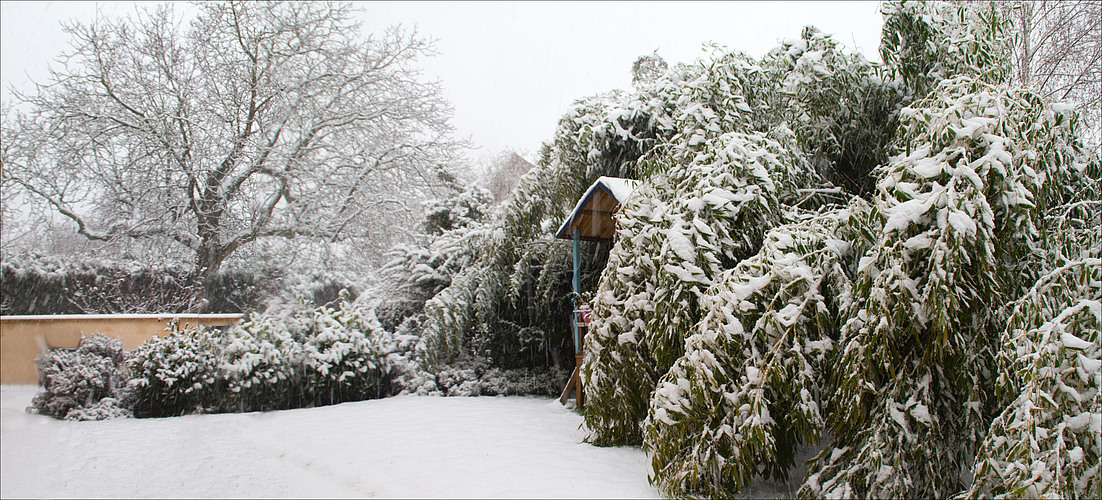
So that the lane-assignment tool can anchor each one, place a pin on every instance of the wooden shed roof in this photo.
(592, 216)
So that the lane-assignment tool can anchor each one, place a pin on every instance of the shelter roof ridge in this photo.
(598, 219)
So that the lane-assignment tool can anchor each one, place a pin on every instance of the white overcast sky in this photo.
(511, 69)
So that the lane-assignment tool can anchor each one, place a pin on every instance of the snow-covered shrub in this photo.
(474, 377)
(317, 356)
(750, 386)
(344, 354)
(707, 213)
(179, 373)
(87, 383)
(460, 379)
(961, 202)
(104, 409)
(1046, 442)
(407, 376)
(465, 207)
(260, 367)
(524, 381)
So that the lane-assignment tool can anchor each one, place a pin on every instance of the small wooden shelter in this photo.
(591, 220)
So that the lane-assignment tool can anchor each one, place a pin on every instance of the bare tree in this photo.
(1058, 51)
(258, 120)
(505, 171)
(647, 69)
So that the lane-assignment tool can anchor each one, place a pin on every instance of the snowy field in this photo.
(401, 447)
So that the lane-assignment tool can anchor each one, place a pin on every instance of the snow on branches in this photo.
(926, 42)
(678, 232)
(960, 206)
(742, 331)
(1046, 442)
(748, 389)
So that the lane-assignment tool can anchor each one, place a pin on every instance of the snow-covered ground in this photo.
(401, 447)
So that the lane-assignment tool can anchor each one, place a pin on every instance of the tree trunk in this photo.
(204, 280)
(1024, 57)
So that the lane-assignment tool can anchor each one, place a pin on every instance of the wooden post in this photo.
(577, 286)
(575, 384)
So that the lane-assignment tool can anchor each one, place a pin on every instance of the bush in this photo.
(345, 353)
(474, 377)
(317, 356)
(88, 383)
(178, 374)
(260, 367)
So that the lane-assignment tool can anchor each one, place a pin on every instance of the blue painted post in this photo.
(577, 286)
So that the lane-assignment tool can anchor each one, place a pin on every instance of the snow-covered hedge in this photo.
(43, 284)
(87, 383)
(40, 284)
(318, 356)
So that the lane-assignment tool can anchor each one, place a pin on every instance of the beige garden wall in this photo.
(22, 338)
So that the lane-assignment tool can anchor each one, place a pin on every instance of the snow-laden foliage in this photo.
(751, 384)
(1046, 442)
(729, 167)
(960, 205)
(685, 226)
(317, 356)
(841, 107)
(714, 211)
(87, 383)
(728, 93)
(260, 366)
(414, 274)
(407, 374)
(925, 42)
(467, 207)
(509, 305)
(345, 352)
(648, 68)
(618, 371)
(177, 374)
(875, 324)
